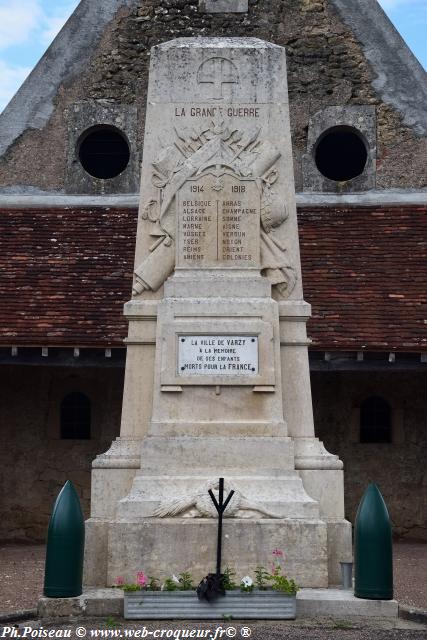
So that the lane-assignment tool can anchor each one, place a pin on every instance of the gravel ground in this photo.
(410, 574)
(21, 576)
(22, 566)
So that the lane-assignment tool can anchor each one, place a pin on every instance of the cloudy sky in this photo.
(27, 27)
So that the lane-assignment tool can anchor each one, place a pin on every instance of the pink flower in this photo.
(278, 553)
(141, 579)
(120, 581)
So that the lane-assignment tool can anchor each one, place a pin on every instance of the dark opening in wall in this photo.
(75, 417)
(103, 152)
(375, 420)
(341, 154)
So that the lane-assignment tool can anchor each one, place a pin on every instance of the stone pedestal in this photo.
(191, 543)
(217, 378)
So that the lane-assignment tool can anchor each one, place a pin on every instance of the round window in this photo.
(341, 154)
(103, 152)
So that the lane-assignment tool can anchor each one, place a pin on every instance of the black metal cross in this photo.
(220, 506)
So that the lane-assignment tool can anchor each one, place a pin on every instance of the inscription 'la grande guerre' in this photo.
(215, 204)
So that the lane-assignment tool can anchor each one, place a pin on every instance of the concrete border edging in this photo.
(21, 614)
(413, 614)
(311, 603)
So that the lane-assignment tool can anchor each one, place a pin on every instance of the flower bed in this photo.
(217, 596)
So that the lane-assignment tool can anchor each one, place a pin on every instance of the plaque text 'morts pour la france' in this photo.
(218, 218)
(217, 355)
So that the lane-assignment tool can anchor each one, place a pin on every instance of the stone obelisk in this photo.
(217, 378)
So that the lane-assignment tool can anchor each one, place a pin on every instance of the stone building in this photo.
(71, 143)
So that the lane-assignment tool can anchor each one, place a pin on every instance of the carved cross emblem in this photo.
(217, 71)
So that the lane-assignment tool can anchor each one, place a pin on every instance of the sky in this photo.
(27, 27)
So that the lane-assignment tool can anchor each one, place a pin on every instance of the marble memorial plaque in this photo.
(218, 219)
(217, 355)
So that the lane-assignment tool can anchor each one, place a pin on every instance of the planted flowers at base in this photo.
(213, 586)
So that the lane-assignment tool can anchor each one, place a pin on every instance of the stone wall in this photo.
(398, 467)
(34, 461)
(326, 67)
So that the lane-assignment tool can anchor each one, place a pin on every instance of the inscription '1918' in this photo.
(218, 228)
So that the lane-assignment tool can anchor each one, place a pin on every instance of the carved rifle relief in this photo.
(215, 152)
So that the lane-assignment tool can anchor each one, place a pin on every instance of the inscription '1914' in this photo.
(218, 227)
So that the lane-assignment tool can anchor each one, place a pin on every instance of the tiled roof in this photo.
(365, 275)
(65, 274)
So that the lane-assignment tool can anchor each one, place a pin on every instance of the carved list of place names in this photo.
(218, 223)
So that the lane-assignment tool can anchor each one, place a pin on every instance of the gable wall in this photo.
(327, 67)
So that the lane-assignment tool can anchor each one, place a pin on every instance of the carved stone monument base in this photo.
(157, 545)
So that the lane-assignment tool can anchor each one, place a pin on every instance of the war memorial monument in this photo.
(217, 375)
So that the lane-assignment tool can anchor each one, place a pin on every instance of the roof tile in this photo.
(65, 275)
